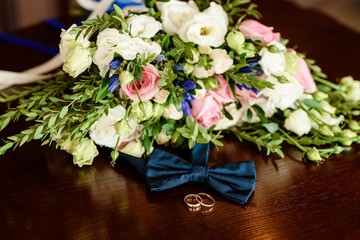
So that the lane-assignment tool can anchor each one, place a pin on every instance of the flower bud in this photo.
(122, 127)
(325, 105)
(320, 96)
(336, 129)
(354, 125)
(162, 138)
(125, 77)
(158, 110)
(305, 140)
(314, 155)
(326, 130)
(211, 83)
(235, 40)
(249, 49)
(195, 57)
(188, 68)
(204, 49)
(142, 110)
(347, 136)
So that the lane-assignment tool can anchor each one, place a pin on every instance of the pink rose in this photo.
(304, 76)
(206, 111)
(147, 89)
(247, 97)
(256, 31)
(222, 94)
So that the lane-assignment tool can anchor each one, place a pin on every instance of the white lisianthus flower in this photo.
(221, 61)
(108, 42)
(75, 54)
(133, 148)
(273, 63)
(103, 131)
(161, 96)
(207, 28)
(143, 26)
(140, 46)
(172, 113)
(175, 13)
(142, 110)
(283, 95)
(201, 72)
(225, 122)
(298, 122)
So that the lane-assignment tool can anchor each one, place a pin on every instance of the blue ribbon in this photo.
(233, 180)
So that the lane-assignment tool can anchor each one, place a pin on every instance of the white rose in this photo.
(283, 95)
(175, 13)
(204, 29)
(134, 148)
(273, 63)
(161, 96)
(162, 138)
(77, 61)
(172, 113)
(201, 72)
(103, 131)
(298, 122)
(221, 61)
(74, 53)
(143, 26)
(225, 122)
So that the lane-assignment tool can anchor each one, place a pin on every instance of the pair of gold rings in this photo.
(200, 201)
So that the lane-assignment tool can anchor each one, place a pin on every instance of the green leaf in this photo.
(312, 103)
(52, 121)
(64, 111)
(5, 123)
(165, 42)
(38, 133)
(4, 148)
(103, 90)
(271, 127)
(24, 140)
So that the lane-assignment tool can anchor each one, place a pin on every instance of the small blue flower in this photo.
(185, 107)
(253, 64)
(188, 85)
(178, 67)
(256, 91)
(113, 83)
(188, 96)
(176, 82)
(115, 64)
(160, 58)
(246, 69)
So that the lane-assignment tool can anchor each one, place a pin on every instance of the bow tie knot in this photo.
(199, 173)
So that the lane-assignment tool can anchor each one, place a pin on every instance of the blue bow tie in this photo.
(233, 180)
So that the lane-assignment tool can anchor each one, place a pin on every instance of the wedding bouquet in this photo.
(180, 73)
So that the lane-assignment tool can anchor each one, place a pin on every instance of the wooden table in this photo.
(44, 196)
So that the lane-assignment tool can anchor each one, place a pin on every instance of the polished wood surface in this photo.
(44, 196)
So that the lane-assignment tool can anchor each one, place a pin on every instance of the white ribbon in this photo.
(9, 78)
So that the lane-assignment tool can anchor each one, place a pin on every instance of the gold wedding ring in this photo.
(206, 200)
(203, 201)
(192, 201)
